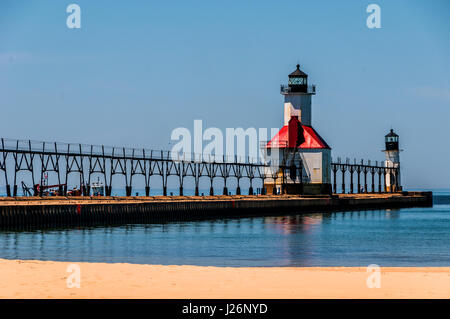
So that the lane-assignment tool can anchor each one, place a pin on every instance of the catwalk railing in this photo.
(378, 173)
(38, 159)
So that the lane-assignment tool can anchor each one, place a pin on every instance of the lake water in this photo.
(403, 237)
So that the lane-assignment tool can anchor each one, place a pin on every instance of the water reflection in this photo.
(419, 236)
(392, 213)
(294, 224)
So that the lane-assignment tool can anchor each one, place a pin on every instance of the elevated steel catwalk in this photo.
(37, 159)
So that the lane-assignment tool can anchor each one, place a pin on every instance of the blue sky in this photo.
(138, 69)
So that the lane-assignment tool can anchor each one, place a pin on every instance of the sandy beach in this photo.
(49, 279)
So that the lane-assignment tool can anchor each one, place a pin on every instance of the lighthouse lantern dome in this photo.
(391, 140)
(298, 81)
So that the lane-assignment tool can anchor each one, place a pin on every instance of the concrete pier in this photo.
(73, 211)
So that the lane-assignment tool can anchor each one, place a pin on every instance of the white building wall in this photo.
(290, 111)
(299, 102)
(312, 163)
(317, 165)
(326, 164)
(392, 156)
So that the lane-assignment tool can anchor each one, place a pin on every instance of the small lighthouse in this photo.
(298, 144)
(392, 151)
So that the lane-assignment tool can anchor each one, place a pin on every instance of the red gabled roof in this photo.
(311, 139)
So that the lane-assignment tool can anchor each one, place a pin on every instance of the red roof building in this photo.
(297, 135)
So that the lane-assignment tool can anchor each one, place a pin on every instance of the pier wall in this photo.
(71, 211)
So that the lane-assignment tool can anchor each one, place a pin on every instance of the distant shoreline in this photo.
(48, 279)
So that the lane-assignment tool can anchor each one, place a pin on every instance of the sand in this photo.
(48, 279)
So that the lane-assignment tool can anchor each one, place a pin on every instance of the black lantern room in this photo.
(298, 81)
(391, 140)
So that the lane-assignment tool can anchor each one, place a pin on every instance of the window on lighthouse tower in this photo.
(298, 81)
(391, 140)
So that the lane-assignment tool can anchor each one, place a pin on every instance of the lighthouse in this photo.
(392, 152)
(298, 145)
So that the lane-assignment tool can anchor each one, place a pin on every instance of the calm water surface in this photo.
(404, 237)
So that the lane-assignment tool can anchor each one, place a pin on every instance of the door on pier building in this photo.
(312, 165)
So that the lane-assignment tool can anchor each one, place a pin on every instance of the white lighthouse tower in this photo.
(297, 97)
(298, 144)
(392, 151)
